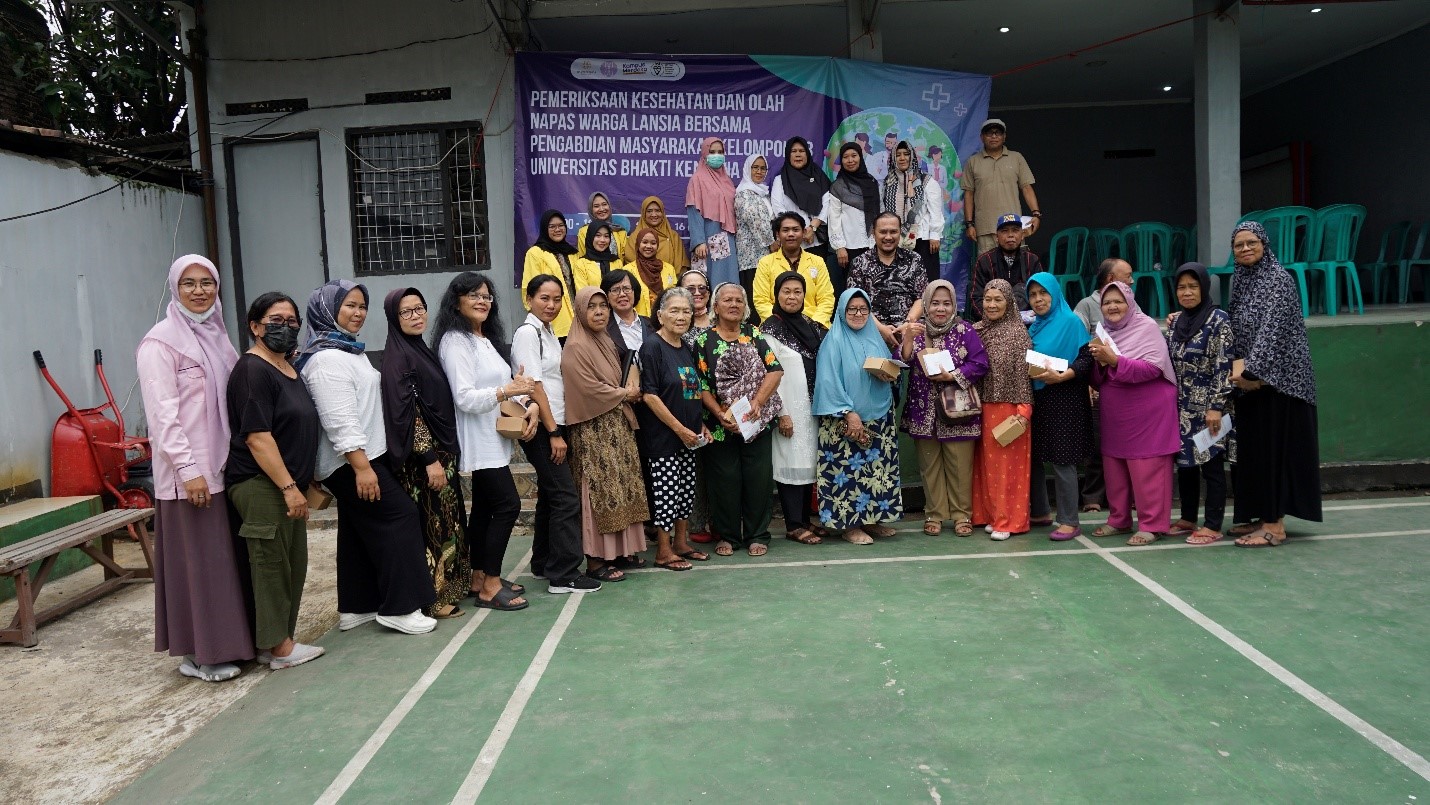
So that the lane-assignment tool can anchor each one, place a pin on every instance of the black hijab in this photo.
(857, 188)
(544, 240)
(413, 384)
(804, 186)
(1191, 321)
(795, 330)
(602, 259)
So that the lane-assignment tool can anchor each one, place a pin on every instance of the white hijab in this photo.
(746, 183)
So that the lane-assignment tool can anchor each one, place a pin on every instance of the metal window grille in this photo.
(419, 199)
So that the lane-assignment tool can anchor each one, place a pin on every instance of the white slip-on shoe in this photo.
(352, 620)
(301, 653)
(219, 672)
(413, 622)
(1000, 535)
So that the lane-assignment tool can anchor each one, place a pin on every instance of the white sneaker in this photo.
(300, 654)
(352, 620)
(999, 535)
(988, 529)
(220, 672)
(413, 622)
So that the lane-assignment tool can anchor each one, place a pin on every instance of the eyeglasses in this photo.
(555, 225)
(289, 322)
(697, 288)
(415, 312)
(477, 296)
(1245, 247)
(856, 312)
(995, 133)
(192, 285)
(622, 290)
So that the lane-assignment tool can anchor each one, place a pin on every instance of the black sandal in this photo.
(695, 556)
(502, 601)
(516, 588)
(632, 562)
(607, 572)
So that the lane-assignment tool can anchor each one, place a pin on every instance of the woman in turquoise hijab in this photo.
(1062, 410)
(858, 475)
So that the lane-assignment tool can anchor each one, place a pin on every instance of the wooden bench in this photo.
(15, 561)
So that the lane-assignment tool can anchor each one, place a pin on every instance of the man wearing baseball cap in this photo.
(1008, 260)
(992, 181)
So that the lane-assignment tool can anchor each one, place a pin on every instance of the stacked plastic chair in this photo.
(1392, 253)
(1293, 234)
(1223, 274)
(1419, 260)
(1336, 232)
(1067, 255)
(1148, 247)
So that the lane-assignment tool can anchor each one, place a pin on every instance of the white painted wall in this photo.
(85, 277)
(472, 67)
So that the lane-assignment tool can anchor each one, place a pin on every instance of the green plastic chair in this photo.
(1182, 247)
(1104, 243)
(1067, 254)
(1337, 232)
(1418, 261)
(1392, 253)
(1148, 247)
(1223, 274)
(1293, 235)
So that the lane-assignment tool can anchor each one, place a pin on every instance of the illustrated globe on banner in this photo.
(923, 134)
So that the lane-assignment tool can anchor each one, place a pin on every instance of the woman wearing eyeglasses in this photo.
(272, 456)
(422, 445)
(183, 366)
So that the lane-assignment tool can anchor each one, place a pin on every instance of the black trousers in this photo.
(1189, 488)
(1278, 470)
(797, 503)
(924, 249)
(556, 533)
(495, 506)
(739, 476)
(382, 558)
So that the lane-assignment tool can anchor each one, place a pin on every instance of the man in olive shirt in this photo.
(992, 181)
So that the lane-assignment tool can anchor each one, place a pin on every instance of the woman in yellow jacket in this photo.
(551, 254)
(653, 273)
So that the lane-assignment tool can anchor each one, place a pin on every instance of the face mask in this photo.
(716, 161)
(280, 338)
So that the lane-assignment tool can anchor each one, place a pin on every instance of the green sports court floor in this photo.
(919, 669)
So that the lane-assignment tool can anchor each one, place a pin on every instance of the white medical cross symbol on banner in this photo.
(936, 97)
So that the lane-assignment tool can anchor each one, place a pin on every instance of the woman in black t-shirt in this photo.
(671, 428)
(271, 458)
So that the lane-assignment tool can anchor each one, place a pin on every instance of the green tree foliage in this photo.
(99, 75)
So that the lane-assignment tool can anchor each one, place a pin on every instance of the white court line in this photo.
(491, 752)
(1359, 506)
(364, 756)
(1389, 745)
(1164, 545)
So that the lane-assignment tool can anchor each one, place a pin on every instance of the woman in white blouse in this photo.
(470, 346)
(556, 552)
(382, 560)
(853, 203)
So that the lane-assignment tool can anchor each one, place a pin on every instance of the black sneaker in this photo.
(579, 584)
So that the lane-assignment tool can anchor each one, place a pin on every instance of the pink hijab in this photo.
(1138, 336)
(206, 342)
(710, 190)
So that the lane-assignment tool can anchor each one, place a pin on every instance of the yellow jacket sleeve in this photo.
(819, 301)
(765, 272)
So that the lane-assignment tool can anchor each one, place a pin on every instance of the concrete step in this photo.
(31, 518)
(522, 473)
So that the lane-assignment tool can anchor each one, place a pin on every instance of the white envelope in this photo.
(1204, 439)
(1047, 361)
(1106, 337)
(938, 362)
(738, 410)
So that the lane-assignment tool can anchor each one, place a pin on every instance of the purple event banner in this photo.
(630, 126)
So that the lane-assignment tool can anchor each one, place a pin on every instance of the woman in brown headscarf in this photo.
(671, 249)
(605, 462)
(1001, 473)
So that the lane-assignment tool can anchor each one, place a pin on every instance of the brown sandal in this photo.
(724, 549)
(803, 536)
(757, 549)
(963, 528)
(933, 527)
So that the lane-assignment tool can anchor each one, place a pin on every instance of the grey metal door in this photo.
(276, 205)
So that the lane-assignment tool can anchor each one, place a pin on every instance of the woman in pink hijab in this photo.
(1138, 410)
(710, 216)
(184, 364)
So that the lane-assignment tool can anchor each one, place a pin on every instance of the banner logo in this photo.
(627, 70)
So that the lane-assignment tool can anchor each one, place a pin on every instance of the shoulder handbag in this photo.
(958, 404)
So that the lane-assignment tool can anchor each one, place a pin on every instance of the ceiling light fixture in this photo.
(1316, 10)
(1167, 88)
(1003, 30)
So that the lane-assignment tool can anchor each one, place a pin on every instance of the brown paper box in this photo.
(318, 498)
(1008, 430)
(511, 427)
(512, 408)
(882, 368)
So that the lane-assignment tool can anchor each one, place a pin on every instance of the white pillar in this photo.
(870, 44)
(1217, 83)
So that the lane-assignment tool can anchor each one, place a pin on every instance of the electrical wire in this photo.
(355, 53)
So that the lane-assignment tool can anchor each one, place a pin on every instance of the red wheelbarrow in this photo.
(91, 455)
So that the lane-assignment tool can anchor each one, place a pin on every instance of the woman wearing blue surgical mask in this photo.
(710, 215)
